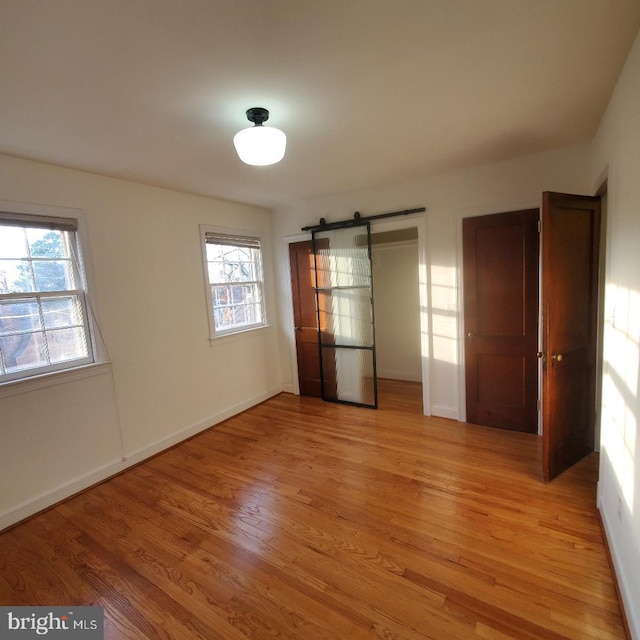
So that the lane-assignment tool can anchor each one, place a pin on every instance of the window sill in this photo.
(15, 387)
(239, 335)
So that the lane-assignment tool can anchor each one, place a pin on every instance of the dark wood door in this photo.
(501, 277)
(305, 317)
(570, 259)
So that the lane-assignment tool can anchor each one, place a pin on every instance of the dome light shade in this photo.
(260, 145)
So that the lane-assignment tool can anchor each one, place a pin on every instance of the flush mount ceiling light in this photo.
(260, 145)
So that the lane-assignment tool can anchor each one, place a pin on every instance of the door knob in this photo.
(540, 354)
(557, 356)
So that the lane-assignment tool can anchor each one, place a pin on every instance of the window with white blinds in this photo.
(44, 324)
(235, 282)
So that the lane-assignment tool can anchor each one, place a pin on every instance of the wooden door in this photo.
(501, 276)
(570, 258)
(305, 317)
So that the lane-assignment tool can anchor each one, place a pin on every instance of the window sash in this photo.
(41, 338)
(232, 305)
(55, 333)
(240, 314)
(232, 240)
(28, 220)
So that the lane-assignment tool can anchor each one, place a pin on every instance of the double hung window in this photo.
(235, 291)
(43, 313)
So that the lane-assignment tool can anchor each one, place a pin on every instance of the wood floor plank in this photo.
(300, 519)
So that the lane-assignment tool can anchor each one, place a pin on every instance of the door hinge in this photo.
(539, 226)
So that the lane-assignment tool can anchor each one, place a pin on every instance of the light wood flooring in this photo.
(306, 520)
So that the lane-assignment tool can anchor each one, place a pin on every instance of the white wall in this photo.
(166, 381)
(397, 311)
(616, 153)
(505, 186)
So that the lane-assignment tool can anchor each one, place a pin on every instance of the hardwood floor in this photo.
(306, 520)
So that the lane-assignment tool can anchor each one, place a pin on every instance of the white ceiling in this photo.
(369, 92)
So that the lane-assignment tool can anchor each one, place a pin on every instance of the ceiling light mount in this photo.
(260, 145)
(257, 115)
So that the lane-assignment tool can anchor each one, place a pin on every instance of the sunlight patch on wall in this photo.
(622, 335)
(425, 319)
(444, 314)
(620, 385)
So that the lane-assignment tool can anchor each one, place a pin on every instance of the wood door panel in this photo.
(501, 379)
(305, 317)
(571, 287)
(305, 306)
(570, 261)
(572, 434)
(500, 280)
(500, 255)
(307, 351)
(501, 390)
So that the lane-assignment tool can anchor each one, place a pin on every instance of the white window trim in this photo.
(215, 335)
(44, 380)
(41, 380)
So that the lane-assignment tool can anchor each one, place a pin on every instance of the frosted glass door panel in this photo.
(344, 290)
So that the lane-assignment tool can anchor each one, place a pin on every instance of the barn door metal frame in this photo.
(326, 292)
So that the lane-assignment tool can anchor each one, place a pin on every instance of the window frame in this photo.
(72, 221)
(206, 232)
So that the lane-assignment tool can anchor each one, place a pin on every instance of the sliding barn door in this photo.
(344, 291)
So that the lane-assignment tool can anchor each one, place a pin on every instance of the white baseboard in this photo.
(68, 489)
(628, 601)
(407, 376)
(165, 443)
(442, 411)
